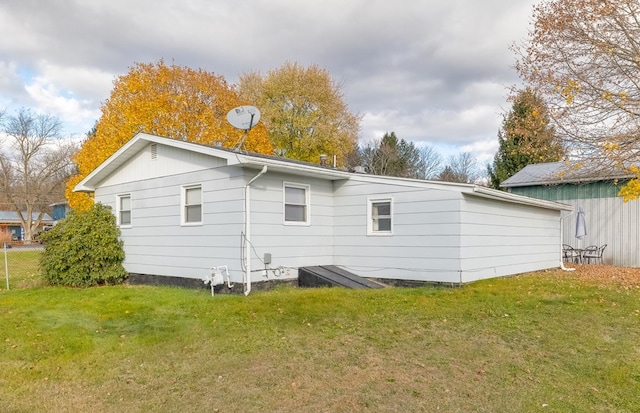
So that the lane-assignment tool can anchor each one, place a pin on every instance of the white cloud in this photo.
(433, 72)
(483, 150)
(76, 114)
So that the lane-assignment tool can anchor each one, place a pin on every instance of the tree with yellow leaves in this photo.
(171, 101)
(304, 112)
(583, 57)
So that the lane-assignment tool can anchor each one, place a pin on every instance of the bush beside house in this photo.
(84, 250)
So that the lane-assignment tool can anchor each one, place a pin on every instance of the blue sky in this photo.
(434, 72)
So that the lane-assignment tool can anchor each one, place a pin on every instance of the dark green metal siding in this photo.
(599, 189)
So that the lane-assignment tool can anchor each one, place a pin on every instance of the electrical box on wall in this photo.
(267, 258)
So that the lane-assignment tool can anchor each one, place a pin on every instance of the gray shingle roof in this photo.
(562, 173)
(9, 217)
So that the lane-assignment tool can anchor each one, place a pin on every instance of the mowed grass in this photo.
(545, 342)
(23, 266)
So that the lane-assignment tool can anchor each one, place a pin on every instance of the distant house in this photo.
(59, 210)
(184, 208)
(9, 221)
(594, 190)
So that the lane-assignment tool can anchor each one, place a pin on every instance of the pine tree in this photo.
(526, 138)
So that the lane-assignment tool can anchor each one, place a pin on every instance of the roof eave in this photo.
(91, 181)
(519, 199)
(275, 165)
(567, 181)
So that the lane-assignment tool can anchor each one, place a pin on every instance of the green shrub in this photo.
(84, 250)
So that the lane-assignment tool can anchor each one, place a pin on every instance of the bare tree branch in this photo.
(583, 56)
(34, 165)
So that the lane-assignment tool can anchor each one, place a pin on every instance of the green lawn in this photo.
(544, 342)
(23, 266)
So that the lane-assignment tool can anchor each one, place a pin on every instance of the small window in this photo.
(192, 205)
(124, 210)
(380, 217)
(296, 204)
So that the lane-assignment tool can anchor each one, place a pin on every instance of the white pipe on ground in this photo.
(247, 231)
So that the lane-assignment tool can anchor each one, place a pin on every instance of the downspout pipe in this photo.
(247, 230)
(562, 218)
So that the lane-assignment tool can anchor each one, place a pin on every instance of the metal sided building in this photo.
(609, 220)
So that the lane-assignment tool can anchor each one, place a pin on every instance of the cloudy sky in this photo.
(435, 72)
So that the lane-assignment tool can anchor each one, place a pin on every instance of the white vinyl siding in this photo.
(296, 204)
(380, 216)
(439, 233)
(159, 244)
(124, 210)
(192, 205)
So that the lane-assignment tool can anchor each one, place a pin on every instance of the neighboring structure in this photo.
(609, 219)
(59, 210)
(9, 221)
(184, 208)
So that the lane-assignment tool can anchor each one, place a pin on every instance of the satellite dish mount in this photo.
(244, 118)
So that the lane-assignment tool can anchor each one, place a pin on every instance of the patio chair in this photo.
(594, 253)
(570, 254)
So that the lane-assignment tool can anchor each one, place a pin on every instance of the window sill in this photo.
(297, 224)
(380, 234)
(191, 224)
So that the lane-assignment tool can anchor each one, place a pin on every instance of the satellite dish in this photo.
(244, 117)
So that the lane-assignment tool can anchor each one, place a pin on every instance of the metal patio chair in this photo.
(570, 254)
(594, 253)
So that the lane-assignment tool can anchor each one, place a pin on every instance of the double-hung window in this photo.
(192, 205)
(123, 209)
(380, 216)
(296, 204)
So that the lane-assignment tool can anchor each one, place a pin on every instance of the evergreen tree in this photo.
(526, 138)
(396, 157)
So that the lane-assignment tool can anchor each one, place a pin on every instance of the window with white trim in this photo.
(379, 214)
(124, 210)
(192, 205)
(296, 204)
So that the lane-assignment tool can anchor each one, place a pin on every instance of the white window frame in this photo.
(307, 203)
(183, 205)
(370, 227)
(119, 210)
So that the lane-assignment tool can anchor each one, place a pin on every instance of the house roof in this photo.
(554, 173)
(244, 159)
(11, 217)
(258, 161)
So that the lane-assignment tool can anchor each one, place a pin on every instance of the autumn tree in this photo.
(303, 110)
(582, 55)
(391, 156)
(171, 101)
(461, 168)
(526, 137)
(34, 165)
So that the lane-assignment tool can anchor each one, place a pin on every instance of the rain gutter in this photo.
(247, 230)
(562, 218)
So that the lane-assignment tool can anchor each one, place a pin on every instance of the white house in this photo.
(184, 208)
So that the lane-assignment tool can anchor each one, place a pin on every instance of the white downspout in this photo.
(562, 267)
(247, 230)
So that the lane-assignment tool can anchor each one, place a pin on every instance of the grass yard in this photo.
(23, 266)
(545, 342)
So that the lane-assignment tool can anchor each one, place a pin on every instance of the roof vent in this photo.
(154, 151)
